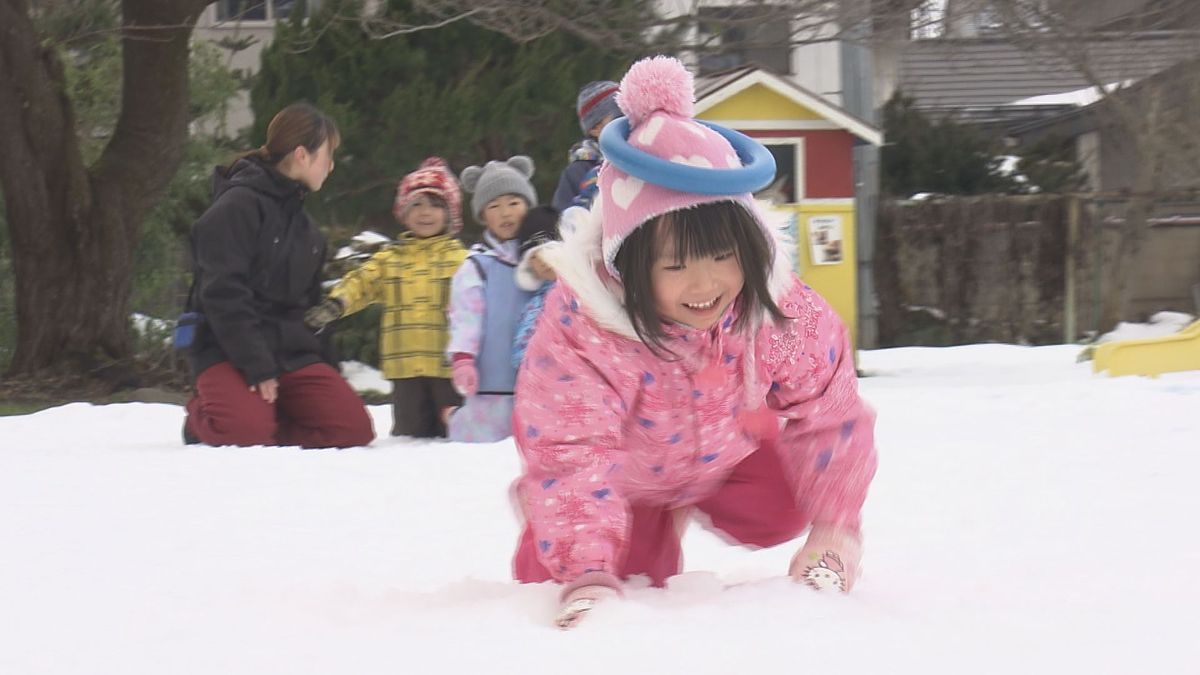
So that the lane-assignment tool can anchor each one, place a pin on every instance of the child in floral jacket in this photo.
(680, 366)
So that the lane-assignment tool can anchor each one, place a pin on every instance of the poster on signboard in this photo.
(825, 239)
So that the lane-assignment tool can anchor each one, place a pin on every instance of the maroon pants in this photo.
(755, 506)
(315, 409)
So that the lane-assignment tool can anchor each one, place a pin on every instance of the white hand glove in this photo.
(829, 560)
(579, 602)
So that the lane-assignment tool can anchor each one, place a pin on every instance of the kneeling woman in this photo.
(261, 378)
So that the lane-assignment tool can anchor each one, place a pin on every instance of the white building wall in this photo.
(208, 28)
(816, 66)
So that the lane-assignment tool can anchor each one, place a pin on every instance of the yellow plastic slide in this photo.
(1150, 356)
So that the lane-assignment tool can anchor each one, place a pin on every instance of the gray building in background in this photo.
(982, 78)
(1016, 87)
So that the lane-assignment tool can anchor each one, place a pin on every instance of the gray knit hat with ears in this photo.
(510, 177)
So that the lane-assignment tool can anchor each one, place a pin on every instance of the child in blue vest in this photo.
(486, 303)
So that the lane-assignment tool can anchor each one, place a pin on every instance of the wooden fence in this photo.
(1024, 269)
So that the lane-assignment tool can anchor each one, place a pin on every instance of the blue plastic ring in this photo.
(757, 170)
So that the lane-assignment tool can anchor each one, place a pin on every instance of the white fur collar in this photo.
(578, 262)
(527, 279)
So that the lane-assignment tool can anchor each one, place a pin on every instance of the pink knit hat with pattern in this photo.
(432, 177)
(701, 164)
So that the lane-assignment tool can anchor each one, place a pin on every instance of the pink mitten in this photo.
(830, 559)
(464, 374)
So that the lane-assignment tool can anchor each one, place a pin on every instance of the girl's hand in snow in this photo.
(579, 602)
(829, 560)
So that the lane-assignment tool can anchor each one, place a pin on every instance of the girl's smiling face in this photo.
(695, 290)
(427, 216)
(689, 265)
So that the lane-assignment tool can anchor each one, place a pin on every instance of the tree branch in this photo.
(395, 28)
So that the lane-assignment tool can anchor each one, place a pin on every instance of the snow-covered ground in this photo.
(1027, 517)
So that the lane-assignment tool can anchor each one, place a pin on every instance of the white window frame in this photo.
(271, 19)
(797, 143)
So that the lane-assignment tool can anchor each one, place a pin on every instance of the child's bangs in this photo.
(700, 232)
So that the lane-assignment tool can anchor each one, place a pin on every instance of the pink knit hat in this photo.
(432, 177)
(658, 159)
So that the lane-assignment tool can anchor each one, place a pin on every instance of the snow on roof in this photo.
(1077, 97)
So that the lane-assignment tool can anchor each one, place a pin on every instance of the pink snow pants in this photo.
(316, 408)
(755, 506)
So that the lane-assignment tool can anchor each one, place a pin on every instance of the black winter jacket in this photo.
(257, 261)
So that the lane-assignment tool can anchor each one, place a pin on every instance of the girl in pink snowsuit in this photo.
(680, 367)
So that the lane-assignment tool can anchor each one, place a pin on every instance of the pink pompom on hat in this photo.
(659, 159)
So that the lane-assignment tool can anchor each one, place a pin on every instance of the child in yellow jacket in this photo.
(412, 280)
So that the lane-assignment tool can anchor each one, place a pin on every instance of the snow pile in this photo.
(1160, 324)
(148, 325)
(1007, 165)
(364, 378)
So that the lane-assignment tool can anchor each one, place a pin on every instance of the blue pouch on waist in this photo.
(185, 329)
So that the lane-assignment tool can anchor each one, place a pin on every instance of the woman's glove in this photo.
(464, 374)
(328, 311)
(830, 559)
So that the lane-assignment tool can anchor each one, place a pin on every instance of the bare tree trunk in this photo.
(73, 228)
